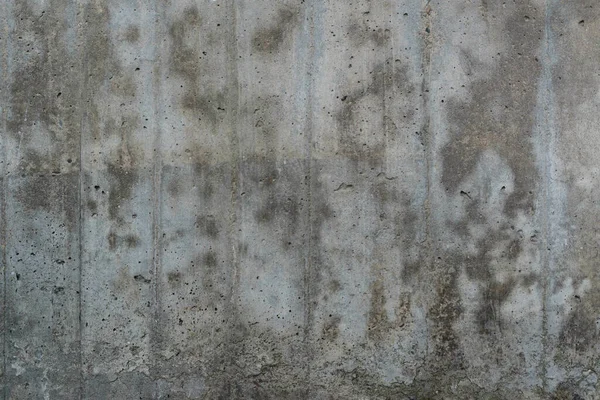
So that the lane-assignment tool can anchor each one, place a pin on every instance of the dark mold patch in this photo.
(206, 175)
(321, 279)
(494, 295)
(132, 34)
(500, 115)
(331, 329)
(186, 61)
(566, 391)
(44, 92)
(478, 266)
(92, 206)
(361, 34)
(102, 64)
(379, 324)
(387, 76)
(378, 319)
(174, 187)
(121, 190)
(274, 206)
(361, 383)
(129, 241)
(279, 193)
(174, 278)
(207, 226)
(443, 314)
(581, 331)
(52, 194)
(572, 23)
(209, 259)
(112, 240)
(270, 39)
(103, 71)
(264, 114)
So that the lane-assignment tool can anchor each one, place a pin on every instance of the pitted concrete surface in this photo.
(300, 199)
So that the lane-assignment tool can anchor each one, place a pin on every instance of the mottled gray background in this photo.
(303, 199)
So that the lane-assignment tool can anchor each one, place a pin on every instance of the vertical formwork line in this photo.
(547, 133)
(309, 129)
(3, 230)
(544, 367)
(3, 233)
(156, 196)
(232, 110)
(426, 48)
(84, 84)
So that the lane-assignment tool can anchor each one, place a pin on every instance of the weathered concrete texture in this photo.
(300, 199)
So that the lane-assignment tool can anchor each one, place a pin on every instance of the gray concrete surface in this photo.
(300, 199)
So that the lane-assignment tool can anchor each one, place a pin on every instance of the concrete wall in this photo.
(300, 199)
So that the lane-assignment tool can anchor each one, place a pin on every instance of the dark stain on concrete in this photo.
(54, 194)
(443, 314)
(132, 33)
(574, 35)
(264, 113)
(121, 189)
(566, 391)
(580, 332)
(378, 318)
(366, 101)
(362, 34)
(321, 279)
(209, 259)
(129, 241)
(186, 61)
(494, 295)
(103, 68)
(270, 39)
(572, 23)
(264, 367)
(174, 187)
(92, 206)
(280, 191)
(379, 324)
(174, 278)
(123, 285)
(478, 267)
(500, 114)
(206, 176)
(44, 92)
(361, 382)
(112, 240)
(207, 226)
(331, 329)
